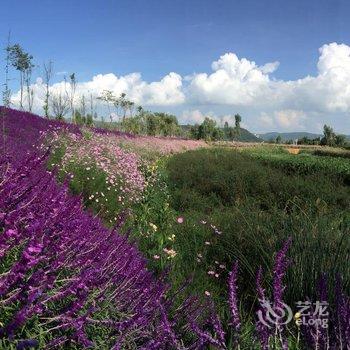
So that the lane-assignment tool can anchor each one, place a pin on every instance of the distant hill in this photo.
(247, 136)
(286, 136)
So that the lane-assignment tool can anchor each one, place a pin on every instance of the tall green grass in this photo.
(257, 207)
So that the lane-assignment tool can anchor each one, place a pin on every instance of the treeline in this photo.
(329, 138)
(209, 130)
(152, 124)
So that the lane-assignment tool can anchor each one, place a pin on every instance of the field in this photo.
(113, 241)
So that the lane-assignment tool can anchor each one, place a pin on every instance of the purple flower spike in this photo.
(233, 301)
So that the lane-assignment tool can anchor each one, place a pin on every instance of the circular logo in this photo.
(274, 316)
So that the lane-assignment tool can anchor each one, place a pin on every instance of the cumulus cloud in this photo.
(240, 82)
(287, 120)
(196, 117)
(234, 82)
(166, 92)
(192, 117)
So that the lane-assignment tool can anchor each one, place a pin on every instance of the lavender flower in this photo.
(233, 301)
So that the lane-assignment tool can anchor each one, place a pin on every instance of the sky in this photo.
(283, 65)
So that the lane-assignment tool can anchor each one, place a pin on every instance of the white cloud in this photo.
(166, 92)
(266, 121)
(234, 82)
(192, 117)
(290, 119)
(241, 82)
(287, 120)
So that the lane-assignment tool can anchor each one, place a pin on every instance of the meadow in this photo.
(115, 241)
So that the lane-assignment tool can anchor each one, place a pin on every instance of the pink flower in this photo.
(180, 220)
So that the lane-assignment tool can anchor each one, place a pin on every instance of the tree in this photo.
(89, 120)
(238, 120)
(328, 136)
(167, 124)
(340, 140)
(194, 132)
(60, 105)
(22, 62)
(206, 130)
(6, 95)
(151, 124)
(83, 106)
(78, 118)
(48, 70)
(30, 90)
(278, 139)
(108, 98)
(71, 93)
(92, 106)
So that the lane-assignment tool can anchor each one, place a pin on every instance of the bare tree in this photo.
(83, 106)
(30, 90)
(108, 98)
(131, 107)
(92, 105)
(71, 93)
(60, 105)
(6, 95)
(48, 71)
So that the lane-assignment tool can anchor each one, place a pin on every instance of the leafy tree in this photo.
(151, 124)
(328, 136)
(340, 140)
(238, 120)
(167, 124)
(22, 62)
(207, 129)
(78, 118)
(194, 132)
(307, 141)
(278, 139)
(89, 120)
(226, 131)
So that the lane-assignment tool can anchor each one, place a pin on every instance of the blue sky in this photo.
(155, 38)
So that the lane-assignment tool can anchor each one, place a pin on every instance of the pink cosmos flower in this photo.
(180, 220)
